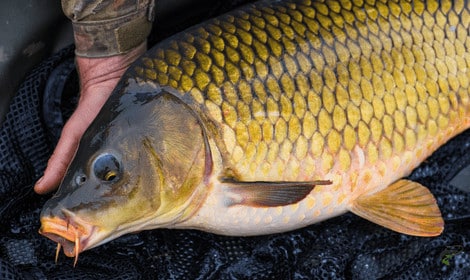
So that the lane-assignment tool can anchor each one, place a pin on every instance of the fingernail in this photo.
(39, 181)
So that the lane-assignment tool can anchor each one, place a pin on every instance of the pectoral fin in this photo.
(268, 194)
(405, 206)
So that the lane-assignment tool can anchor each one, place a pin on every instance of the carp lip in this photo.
(73, 237)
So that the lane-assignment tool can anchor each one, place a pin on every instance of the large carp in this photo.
(275, 116)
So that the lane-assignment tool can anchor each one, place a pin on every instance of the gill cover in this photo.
(181, 154)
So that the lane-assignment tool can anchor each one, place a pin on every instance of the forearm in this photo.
(104, 28)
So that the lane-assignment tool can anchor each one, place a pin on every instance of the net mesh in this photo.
(346, 247)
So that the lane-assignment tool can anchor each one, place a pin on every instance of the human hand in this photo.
(98, 77)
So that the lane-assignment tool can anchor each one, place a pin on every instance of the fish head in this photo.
(142, 164)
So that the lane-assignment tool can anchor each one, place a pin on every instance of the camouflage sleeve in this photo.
(109, 27)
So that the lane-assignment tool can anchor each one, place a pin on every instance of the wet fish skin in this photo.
(348, 91)
(322, 78)
(347, 95)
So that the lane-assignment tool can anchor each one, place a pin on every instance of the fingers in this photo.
(64, 152)
(86, 111)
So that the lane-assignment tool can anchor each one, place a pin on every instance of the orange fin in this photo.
(268, 194)
(404, 206)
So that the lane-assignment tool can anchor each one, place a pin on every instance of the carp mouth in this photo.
(68, 234)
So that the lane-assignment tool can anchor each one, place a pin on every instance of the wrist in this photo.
(105, 71)
(108, 27)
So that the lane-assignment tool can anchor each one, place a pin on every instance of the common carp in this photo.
(272, 117)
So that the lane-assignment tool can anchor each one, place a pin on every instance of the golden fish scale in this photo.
(300, 85)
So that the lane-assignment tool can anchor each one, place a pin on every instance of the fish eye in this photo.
(107, 168)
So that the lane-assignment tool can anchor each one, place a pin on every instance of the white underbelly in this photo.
(241, 220)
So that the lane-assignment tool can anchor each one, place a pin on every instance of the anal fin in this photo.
(268, 194)
(404, 206)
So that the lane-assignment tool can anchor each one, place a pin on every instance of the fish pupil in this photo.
(110, 176)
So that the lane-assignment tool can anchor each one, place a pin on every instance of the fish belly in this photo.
(356, 92)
